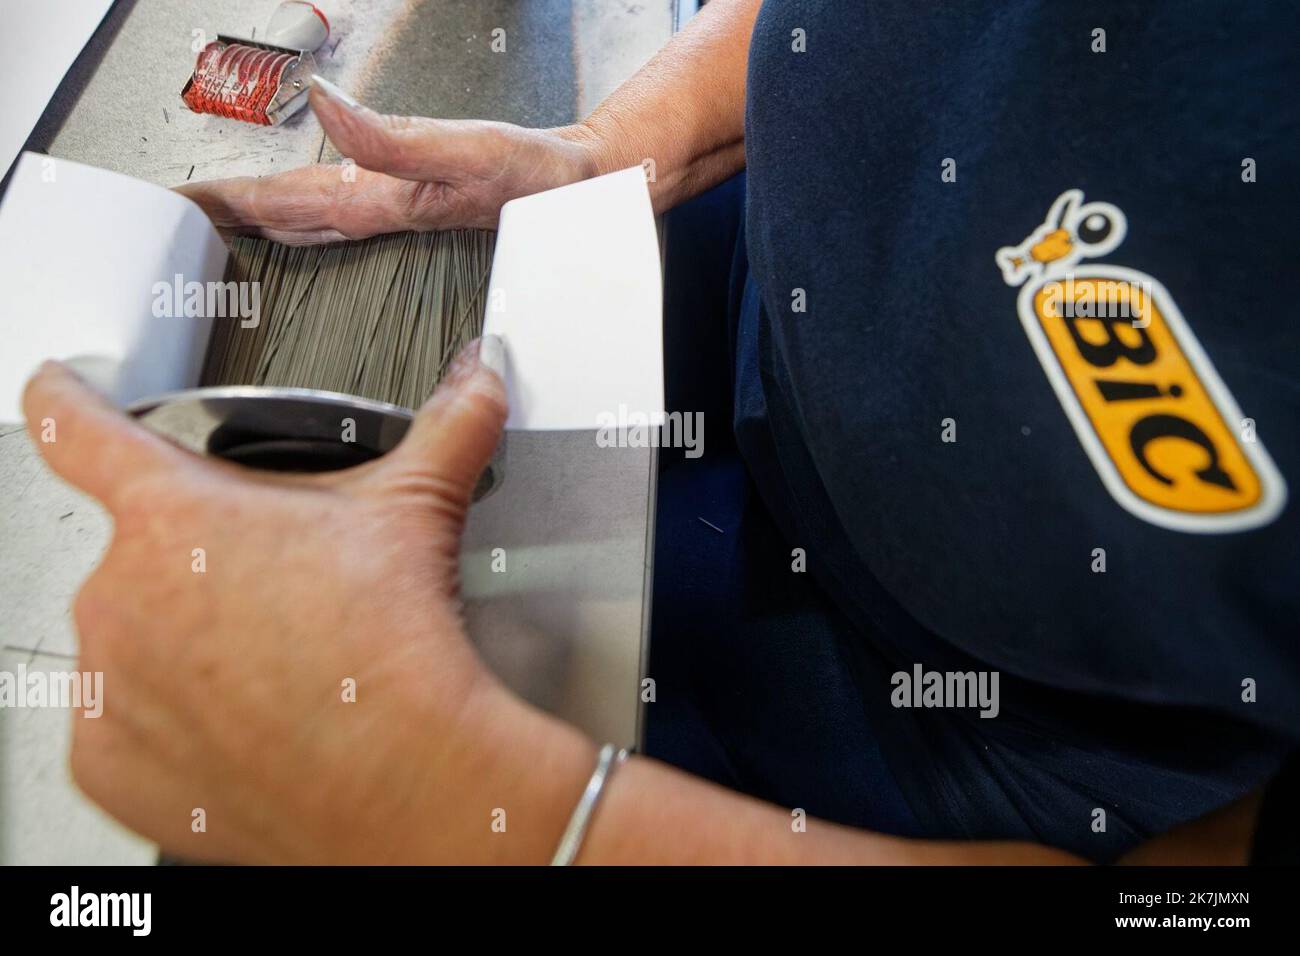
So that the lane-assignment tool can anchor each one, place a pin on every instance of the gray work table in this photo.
(565, 623)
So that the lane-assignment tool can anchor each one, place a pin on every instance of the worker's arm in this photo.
(685, 109)
(684, 112)
(651, 813)
(535, 767)
(286, 653)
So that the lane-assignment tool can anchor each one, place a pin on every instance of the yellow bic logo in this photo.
(1160, 426)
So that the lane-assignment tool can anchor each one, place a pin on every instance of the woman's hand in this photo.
(681, 117)
(409, 173)
(283, 656)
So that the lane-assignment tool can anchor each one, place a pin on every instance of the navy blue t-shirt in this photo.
(989, 463)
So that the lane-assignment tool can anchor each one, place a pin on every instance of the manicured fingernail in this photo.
(333, 92)
(492, 354)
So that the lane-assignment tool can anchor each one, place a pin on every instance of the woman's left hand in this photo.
(286, 676)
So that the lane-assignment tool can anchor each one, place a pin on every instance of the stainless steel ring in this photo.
(286, 429)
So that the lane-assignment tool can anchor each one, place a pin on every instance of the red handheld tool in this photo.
(264, 81)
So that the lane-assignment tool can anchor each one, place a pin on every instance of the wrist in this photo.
(679, 168)
(507, 784)
(589, 149)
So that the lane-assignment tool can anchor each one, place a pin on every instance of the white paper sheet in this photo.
(39, 40)
(576, 293)
(81, 253)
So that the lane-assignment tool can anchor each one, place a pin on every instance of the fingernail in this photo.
(100, 372)
(333, 92)
(492, 354)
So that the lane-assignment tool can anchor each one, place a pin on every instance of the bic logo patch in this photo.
(1161, 428)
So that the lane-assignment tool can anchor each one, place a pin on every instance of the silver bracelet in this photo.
(610, 757)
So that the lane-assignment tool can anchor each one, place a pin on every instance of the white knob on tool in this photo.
(297, 25)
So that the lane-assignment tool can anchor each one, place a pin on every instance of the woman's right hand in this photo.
(410, 173)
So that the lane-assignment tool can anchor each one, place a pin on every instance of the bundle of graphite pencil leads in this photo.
(380, 318)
